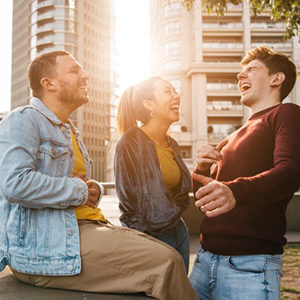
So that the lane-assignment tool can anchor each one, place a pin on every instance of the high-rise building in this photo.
(200, 54)
(86, 29)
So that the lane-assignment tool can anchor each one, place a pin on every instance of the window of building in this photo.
(186, 151)
(227, 45)
(172, 28)
(172, 48)
(172, 9)
(172, 65)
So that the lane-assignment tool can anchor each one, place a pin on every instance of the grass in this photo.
(290, 281)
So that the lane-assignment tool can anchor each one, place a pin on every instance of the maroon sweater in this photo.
(261, 165)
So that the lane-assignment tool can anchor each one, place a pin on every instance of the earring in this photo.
(152, 114)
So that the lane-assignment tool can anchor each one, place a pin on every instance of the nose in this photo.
(240, 75)
(84, 75)
(176, 95)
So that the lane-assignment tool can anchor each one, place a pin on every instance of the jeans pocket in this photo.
(249, 264)
(274, 262)
(199, 254)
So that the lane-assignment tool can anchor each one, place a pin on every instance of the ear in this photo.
(48, 84)
(277, 79)
(148, 104)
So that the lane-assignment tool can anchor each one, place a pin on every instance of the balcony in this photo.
(224, 109)
(267, 29)
(232, 10)
(281, 47)
(45, 41)
(45, 16)
(216, 138)
(219, 29)
(45, 28)
(222, 89)
(44, 4)
(221, 47)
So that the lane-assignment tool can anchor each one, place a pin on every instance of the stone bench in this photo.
(13, 289)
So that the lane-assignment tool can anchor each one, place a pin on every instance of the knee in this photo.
(170, 257)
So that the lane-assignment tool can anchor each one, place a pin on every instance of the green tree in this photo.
(289, 10)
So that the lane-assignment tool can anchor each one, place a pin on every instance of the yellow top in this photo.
(168, 165)
(83, 212)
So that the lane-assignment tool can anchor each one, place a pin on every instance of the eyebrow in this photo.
(169, 88)
(75, 68)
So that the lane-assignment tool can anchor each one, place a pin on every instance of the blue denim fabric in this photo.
(246, 277)
(38, 227)
(178, 238)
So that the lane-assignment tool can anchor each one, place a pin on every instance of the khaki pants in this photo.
(122, 260)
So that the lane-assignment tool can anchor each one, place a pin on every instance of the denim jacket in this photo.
(38, 228)
(144, 201)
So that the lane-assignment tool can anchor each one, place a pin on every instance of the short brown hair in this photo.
(41, 66)
(275, 62)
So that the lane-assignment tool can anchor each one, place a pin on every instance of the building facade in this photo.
(200, 54)
(87, 30)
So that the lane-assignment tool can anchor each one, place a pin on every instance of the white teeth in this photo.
(245, 86)
(174, 107)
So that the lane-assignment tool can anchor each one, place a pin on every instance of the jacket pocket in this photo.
(52, 158)
(22, 226)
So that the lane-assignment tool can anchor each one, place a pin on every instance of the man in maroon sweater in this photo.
(257, 172)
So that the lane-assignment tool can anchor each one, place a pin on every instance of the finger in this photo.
(202, 179)
(91, 204)
(212, 205)
(207, 161)
(216, 212)
(205, 196)
(221, 145)
(211, 152)
(90, 183)
(92, 199)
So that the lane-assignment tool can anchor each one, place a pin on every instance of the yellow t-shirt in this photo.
(169, 167)
(83, 212)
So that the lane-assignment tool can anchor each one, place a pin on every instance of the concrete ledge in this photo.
(12, 289)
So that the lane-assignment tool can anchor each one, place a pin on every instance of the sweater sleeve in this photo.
(283, 178)
(129, 186)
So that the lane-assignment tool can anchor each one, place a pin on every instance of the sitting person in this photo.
(152, 181)
(51, 232)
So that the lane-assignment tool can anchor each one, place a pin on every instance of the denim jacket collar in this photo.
(38, 104)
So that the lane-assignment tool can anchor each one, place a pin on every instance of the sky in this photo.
(132, 38)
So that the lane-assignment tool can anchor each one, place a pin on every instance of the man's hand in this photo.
(208, 155)
(214, 197)
(93, 191)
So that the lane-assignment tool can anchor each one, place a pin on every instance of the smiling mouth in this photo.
(175, 108)
(244, 87)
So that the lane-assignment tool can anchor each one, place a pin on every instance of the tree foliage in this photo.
(289, 10)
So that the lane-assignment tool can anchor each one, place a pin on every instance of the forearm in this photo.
(268, 185)
(37, 190)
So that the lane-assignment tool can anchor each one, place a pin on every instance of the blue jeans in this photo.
(178, 238)
(244, 277)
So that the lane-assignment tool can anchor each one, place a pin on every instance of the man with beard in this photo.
(51, 232)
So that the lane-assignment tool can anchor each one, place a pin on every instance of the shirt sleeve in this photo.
(284, 177)
(129, 186)
(20, 181)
